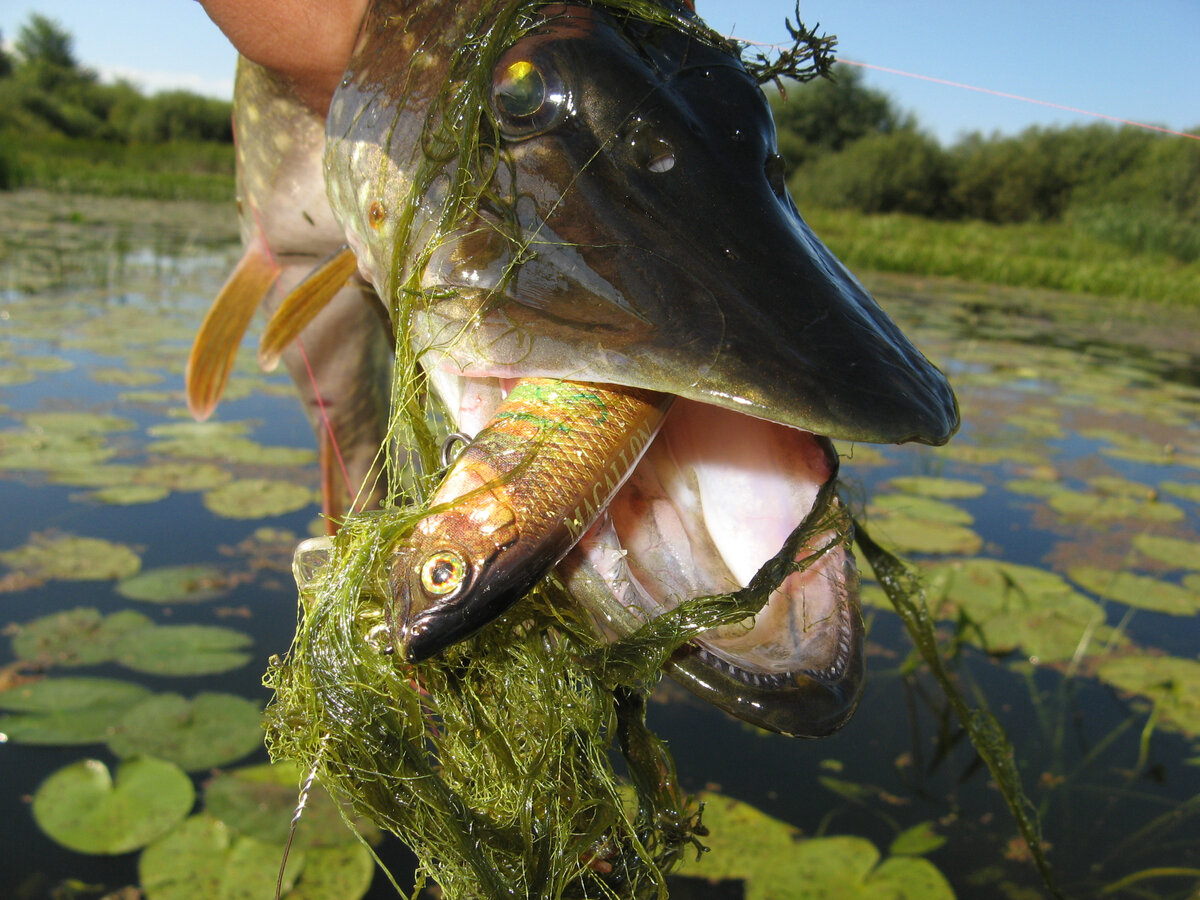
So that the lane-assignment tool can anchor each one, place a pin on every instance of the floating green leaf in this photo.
(208, 731)
(76, 637)
(65, 711)
(910, 506)
(183, 650)
(1105, 507)
(776, 863)
(912, 535)
(941, 488)
(125, 377)
(259, 801)
(72, 558)
(82, 808)
(1175, 552)
(130, 494)
(1173, 684)
(257, 498)
(1009, 606)
(1186, 490)
(234, 450)
(1138, 591)
(345, 871)
(184, 476)
(203, 859)
(77, 423)
(916, 841)
(194, 583)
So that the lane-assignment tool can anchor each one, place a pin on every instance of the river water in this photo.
(1059, 535)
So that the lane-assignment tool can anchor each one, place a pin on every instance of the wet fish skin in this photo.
(514, 502)
(341, 366)
(662, 249)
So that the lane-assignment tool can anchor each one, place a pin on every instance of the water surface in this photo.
(1078, 466)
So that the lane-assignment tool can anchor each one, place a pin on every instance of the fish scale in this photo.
(552, 442)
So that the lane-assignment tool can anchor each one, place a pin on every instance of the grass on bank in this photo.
(177, 170)
(1055, 255)
(1068, 256)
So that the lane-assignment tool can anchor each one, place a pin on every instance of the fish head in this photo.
(451, 575)
(634, 229)
(575, 191)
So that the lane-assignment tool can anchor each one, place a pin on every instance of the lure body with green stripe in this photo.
(518, 497)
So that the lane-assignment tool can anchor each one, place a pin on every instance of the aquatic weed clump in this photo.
(491, 761)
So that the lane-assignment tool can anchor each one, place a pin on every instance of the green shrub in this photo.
(901, 171)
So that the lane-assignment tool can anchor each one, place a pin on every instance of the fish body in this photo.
(514, 502)
(342, 362)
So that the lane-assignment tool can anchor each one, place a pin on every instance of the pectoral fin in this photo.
(220, 334)
(301, 306)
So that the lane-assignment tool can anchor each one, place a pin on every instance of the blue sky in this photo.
(1129, 60)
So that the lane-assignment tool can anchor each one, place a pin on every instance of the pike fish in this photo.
(628, 228)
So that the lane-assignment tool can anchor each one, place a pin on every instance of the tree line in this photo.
(848, 147)
(44, 90)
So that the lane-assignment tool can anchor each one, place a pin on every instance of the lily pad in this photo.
(257, 498)
(913, 535)
(130, 494)
(76, 637)
(345, 871)
(66, 711)
(1138, 591)
(1106, 507)
(208, 731)
(125, 377)
(48, 452)
(259, 801)
(233, 450)
(200, 432)
(1010, 606)
(1172, 683)
(1175, 552)
(73, 558)
(183, 650)
(776, 863)
(911, 506)
(941, 488)
(102, 475)
(203, 859)
(77, 423)
(1186, 490)
(84, 809)
(184, 476)
(916, 841)
(194, 583)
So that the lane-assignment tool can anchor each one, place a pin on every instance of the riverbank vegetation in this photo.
(62, 129)
(1093, 208)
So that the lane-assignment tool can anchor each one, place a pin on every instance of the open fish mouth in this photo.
(722, 503)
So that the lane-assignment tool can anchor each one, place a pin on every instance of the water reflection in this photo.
(1079, 455)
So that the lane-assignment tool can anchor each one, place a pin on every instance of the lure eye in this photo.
(526, 99)
(443, 574)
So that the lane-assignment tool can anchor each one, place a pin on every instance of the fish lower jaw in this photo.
(714, 498)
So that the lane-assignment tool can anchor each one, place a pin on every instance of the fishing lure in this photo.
(516, 499)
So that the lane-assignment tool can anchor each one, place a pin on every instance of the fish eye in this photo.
(527, 99)
(443, 573)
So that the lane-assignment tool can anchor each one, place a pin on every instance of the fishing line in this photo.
(333, 441)
(1008, 96)
(983, 90)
